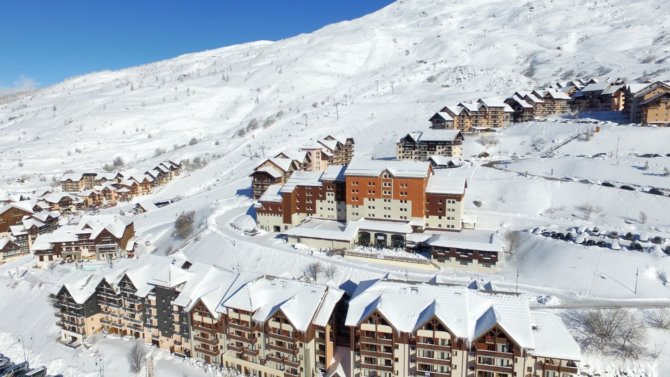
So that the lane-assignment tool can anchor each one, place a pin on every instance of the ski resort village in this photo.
(435, 189)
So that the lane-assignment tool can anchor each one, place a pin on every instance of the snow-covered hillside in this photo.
(387, 71)
(374, 78)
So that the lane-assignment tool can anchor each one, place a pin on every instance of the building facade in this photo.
(424, 145)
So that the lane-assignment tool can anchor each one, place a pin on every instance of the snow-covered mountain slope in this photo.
(386, 71)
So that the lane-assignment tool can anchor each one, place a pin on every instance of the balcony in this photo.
(242, 338)
(239, 326)
(383, 341)
(291, 373)
(211, 352)
(364, 353)
(204, 327)
(507, 355)
(251, 352)
(433, 361)
(293, 351)
(293, 362)
(279, 336)
(212, 341)
(377, 367)
(234, 347)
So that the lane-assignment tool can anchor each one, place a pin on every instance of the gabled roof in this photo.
(282, 163)
(467, 313)
(436, 135)
(651, 87)
(441, 184)
(25, 206)
(266, 296)
(364, 167)
(522, 102)
(442, 115)
(334, 173)
(272, 194)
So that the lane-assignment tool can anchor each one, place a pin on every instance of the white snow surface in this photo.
(388, 73)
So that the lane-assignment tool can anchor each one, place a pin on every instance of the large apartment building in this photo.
(315, 157)
(276, 327)
(422, 145)
(449, 331)
(306, 194)
(651, 105)
(259, 325)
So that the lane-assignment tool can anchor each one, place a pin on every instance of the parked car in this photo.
(626, 187)
(607, 184)
(655, 191)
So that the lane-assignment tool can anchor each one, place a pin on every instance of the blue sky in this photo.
(44, 42)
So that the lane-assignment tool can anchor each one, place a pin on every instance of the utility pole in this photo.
(23, 344)
(637, 274)
(101, 366)
(305, 117)
(516, 285)
(337, 112)
(263, 147)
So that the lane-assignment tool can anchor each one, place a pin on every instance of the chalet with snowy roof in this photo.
(540, 109)
(77, 310)
(32, 226)
(13, 214)
(441, 121)
(9, 249)
(63, 202)
(270, 172)
(555, 102)
(651, 105)
(495, 112)
(442, 162)
(599, 96)
(453, 331)
(421, 145)
(279, 327)
(523, 111)
(99, 237)
(470, 249)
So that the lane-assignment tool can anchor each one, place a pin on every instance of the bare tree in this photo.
(330, 271)
(615, 332)
(313, 270)
(643, 217)
(136, 357)
(658, 318)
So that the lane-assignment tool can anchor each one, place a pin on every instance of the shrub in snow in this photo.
(616, 332)
(313, 270)
(183, 226)
(136, 357)
(330, 271)
(658, 318)
(193, 142)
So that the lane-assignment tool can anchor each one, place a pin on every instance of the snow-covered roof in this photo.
(302, 178)
(521, 101)
(445, 116)
(467, 313)
(333, 296)
(24, 205)
(334, 173)
(323, 229)
(442, 184)
(116, 225)
(271, 171)
(469, 240)
(471, 106)
(4, 241)
(492, 102)
(272, 194)
(283, 163)
(555, 94)
(330, 144)
(596, 87)
(552, 338)
(75, 177)
(436, 135)
(299, 302)
(364, 167)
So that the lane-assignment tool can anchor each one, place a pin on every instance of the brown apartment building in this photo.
(651, 105)
(422, 145)
(453, 331)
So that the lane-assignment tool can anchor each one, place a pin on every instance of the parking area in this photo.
(613, 240)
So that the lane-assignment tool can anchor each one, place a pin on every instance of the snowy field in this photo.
(375, 79)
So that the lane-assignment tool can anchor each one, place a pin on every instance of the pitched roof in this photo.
(436, 135)
(272, 194)
(442, 184)
(364, 167)
(266, 296)
(468, 239)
